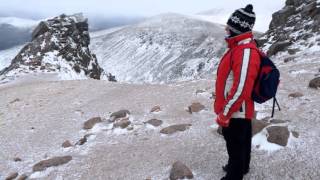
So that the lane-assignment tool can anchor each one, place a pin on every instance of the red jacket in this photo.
(236, 75)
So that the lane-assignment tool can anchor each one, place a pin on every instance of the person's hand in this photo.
(222, 120)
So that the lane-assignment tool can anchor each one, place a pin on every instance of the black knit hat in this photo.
(242, 20)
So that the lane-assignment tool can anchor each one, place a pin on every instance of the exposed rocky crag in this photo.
(59, 45)
(294, 28)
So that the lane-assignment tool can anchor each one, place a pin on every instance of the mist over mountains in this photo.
(16, 30)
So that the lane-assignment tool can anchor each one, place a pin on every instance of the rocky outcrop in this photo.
(59, 45)
(293, 28)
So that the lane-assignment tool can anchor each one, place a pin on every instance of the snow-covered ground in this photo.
(37, 116)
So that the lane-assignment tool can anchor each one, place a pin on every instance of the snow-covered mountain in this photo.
(294, 29)
(15, 31)
(59, 46)
(164, 48)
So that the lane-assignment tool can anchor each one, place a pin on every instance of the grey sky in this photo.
(46, 8)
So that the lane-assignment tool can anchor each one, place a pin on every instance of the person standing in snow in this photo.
(233, 105)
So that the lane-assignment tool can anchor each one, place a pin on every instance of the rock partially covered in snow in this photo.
(180, 171)
(83, 140)
(66, 144)
(55, 161)
(119, 114)
(295, 134)
(156, 109)
(91, 122)
(195, 107)
(278, 135)
(59, 45)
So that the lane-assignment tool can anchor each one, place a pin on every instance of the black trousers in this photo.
(238, 140)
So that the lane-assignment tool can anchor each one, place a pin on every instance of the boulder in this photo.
(175, 128)
(12, 176)
(154, 122)
(55, 161)
(277, 47)
(195, 107)
(180, 171)
(91, 122)
(315, 83)
(278, 135)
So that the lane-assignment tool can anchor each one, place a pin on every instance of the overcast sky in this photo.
(107, 8)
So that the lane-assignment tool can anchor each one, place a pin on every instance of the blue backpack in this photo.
(267, 82)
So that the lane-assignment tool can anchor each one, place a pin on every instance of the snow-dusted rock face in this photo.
(294, 28)
(162, 49)
(59, 45)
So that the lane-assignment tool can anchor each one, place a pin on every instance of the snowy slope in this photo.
(7, 55)
(164, 48)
